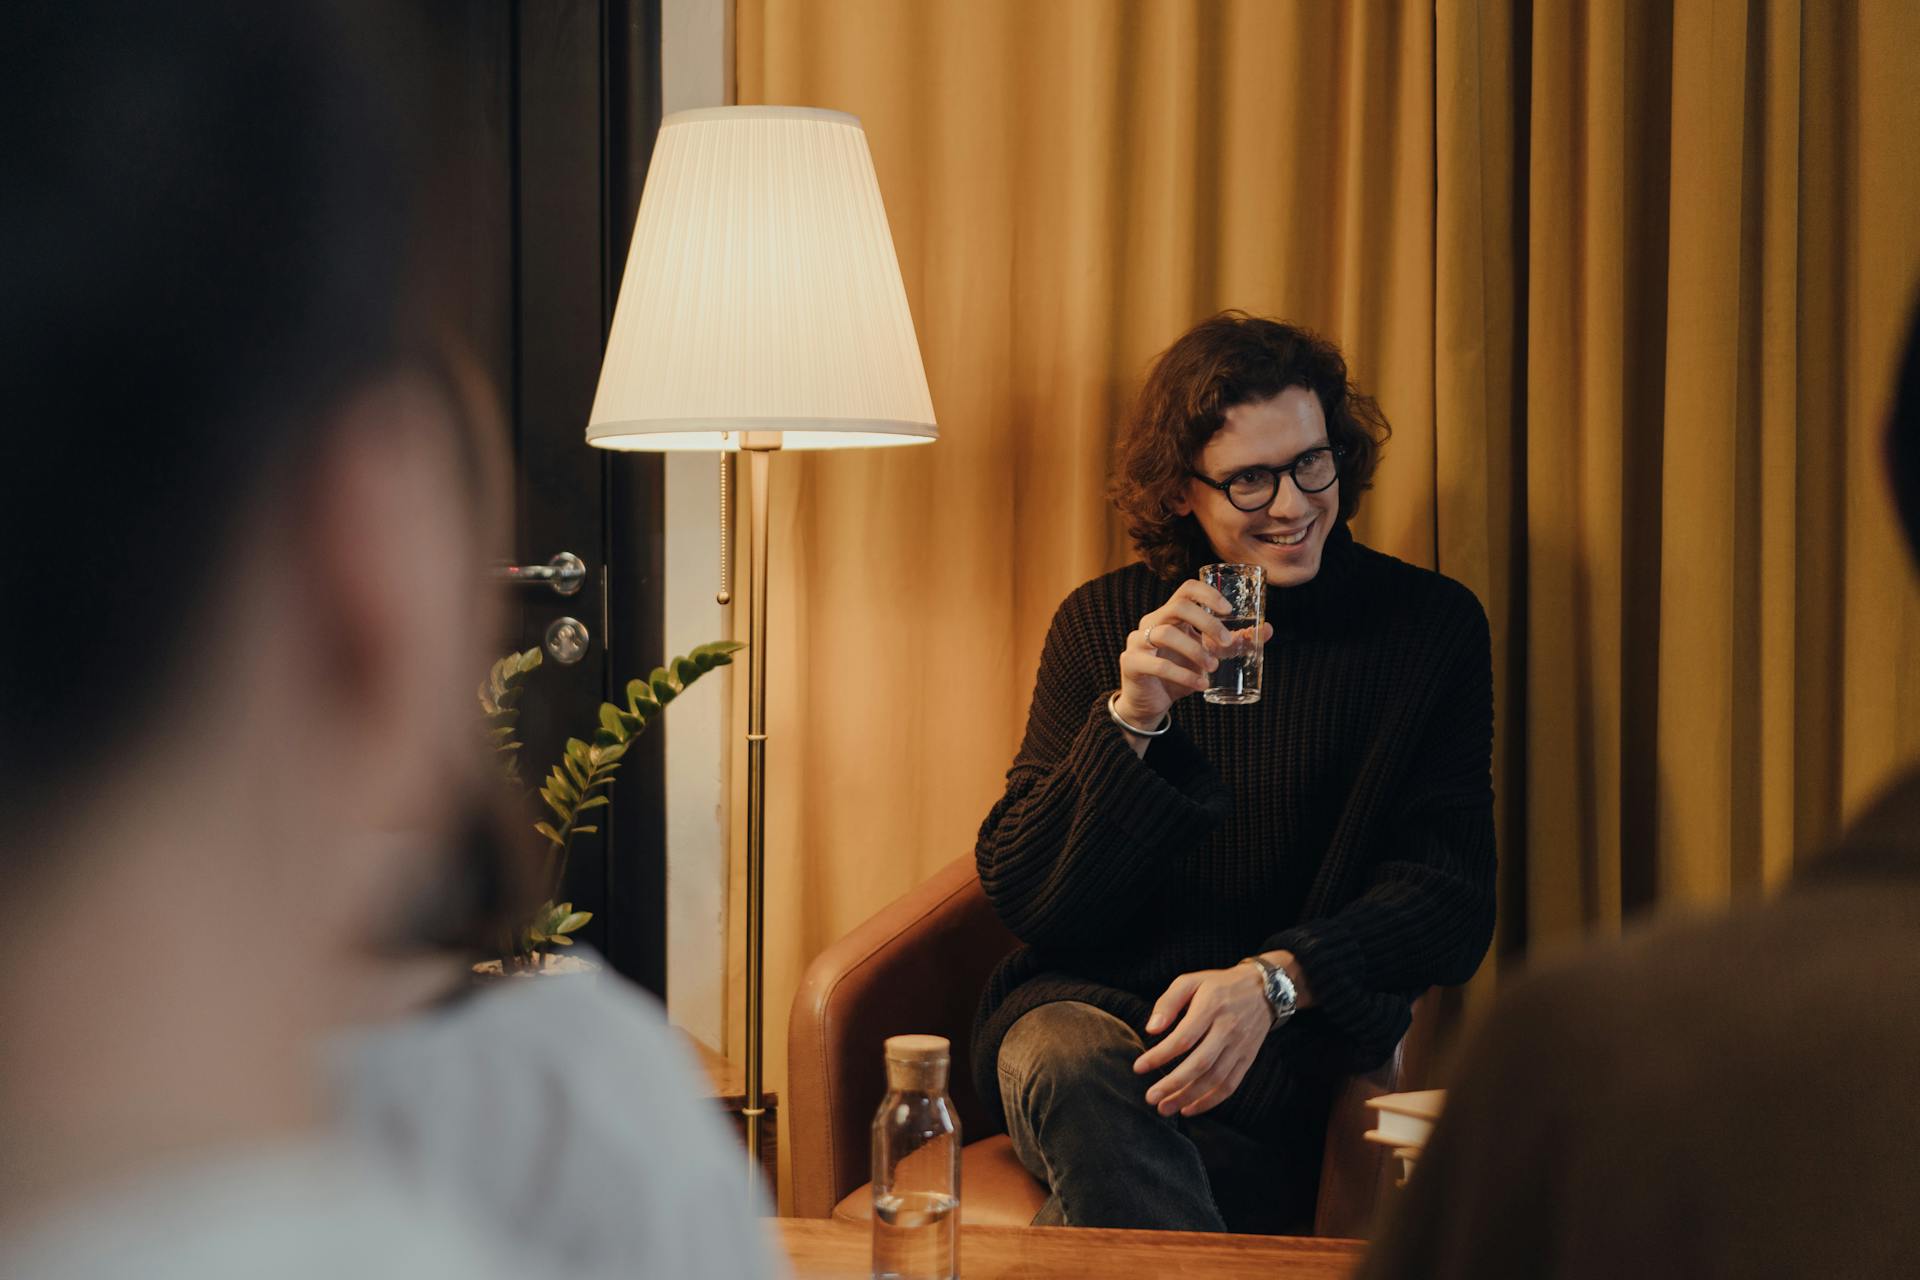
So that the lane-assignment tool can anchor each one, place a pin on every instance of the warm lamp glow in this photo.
(761, 294)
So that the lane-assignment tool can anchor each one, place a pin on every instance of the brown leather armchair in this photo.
(919, 966)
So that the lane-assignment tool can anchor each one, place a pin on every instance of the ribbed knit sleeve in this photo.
(1086, 828)
(1425, 916)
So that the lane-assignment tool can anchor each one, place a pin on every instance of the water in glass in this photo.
(1237, 679)
(916, 1234)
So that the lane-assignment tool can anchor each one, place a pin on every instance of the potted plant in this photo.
(579, 784)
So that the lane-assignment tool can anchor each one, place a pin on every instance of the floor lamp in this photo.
(761, 310)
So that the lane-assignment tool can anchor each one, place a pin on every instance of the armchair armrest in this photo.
(1356, 1175)
(918, 965)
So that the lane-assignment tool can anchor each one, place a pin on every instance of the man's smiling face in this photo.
(1287, 535)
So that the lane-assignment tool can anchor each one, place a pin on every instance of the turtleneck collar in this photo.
(1324, 598)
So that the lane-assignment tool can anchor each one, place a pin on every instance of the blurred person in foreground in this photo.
(247, 522)
(1725, 1098)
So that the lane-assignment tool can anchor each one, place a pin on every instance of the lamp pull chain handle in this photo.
(725, 594)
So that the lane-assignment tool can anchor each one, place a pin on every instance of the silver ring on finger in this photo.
(1149, 639)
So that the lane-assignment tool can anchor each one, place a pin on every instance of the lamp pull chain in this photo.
(725, 594)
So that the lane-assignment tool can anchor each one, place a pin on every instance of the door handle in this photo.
(564, 573)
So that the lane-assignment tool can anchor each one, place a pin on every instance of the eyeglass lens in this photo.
(1256, 486)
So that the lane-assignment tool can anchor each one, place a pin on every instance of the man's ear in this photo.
(355, 548)
(387, 548)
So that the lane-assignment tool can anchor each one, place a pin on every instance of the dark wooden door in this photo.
(541, 116)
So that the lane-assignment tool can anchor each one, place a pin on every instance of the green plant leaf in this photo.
(575, 772)
(605, 738)
(592, 802)
(640, 699)
(561, 940)
(664, 688)
(577, 749)
(546, 829)
(573, 921)
(560, 810)
(582, 831)
(561, 787)
(611, 722)
(610, 756)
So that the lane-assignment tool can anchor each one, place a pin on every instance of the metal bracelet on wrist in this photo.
(1281, 997)
(1113, 709)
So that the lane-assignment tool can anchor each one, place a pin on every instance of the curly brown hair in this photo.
(1227, 360)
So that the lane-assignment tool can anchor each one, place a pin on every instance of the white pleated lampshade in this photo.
(761, 294)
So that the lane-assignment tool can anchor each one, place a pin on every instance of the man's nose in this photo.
(1288, 500)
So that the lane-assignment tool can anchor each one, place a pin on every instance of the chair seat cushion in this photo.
(995, 1188)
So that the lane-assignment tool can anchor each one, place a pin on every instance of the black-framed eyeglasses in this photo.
(1251, 488)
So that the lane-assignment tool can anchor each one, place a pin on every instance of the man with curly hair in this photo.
(1226, 908)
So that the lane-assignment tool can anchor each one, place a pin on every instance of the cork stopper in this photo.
(918, 1064)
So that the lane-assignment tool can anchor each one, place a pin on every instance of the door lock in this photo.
(567, 640)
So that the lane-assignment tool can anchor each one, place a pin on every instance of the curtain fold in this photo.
(1628, 279)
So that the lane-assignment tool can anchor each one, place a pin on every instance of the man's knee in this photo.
(1066, 1047)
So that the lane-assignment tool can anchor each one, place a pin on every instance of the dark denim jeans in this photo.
(1080, 1122)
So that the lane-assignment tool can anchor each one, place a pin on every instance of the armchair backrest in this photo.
(917, 967)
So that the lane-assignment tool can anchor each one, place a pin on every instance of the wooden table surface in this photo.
(728, 1082)
(823, 1250)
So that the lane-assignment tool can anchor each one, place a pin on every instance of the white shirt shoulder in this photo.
(569, 1113)
(314, 1211)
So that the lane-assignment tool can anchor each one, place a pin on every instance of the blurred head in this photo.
(247, 497)
(1237, 394)
(1903, 437)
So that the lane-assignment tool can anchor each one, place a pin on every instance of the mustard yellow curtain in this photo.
(1721, 635)
(1627, 278)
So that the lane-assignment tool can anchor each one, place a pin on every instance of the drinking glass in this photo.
(1237, 679)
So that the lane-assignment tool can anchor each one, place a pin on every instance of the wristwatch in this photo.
(1278, 986)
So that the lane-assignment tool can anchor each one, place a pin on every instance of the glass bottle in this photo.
(916, 1165)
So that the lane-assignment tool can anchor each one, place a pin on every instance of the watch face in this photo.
(1280, 991)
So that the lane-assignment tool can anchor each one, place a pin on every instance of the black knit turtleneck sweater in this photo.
(1346, 817)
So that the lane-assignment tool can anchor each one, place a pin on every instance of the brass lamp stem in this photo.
(759, 450)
